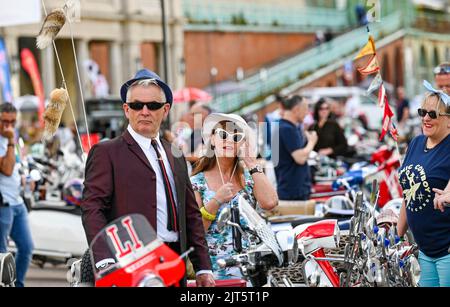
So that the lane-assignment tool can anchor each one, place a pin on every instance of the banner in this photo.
(371, 67)
(29, 64)
(387, 119)
(375, 84)
(368, 49)
(5, 77)
(382, 96)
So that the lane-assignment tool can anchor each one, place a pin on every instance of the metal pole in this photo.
(166, 124)
(164, 28)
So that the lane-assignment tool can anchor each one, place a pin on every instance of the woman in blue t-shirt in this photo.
(427, 167)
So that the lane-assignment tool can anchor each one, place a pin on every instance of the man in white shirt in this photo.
(13, 212)
(141, 173)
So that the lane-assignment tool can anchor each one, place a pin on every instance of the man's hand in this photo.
(312, 137)
(8, 132)
(440, 198)
(205, 280)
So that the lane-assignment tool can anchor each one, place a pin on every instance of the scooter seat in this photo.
(7, 270)
(65, 209)
(296, 220)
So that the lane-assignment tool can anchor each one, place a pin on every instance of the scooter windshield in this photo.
(121, 243)
(259, 225)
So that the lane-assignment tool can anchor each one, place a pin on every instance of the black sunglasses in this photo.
(152, 105)
(8, 122)
(432, 114)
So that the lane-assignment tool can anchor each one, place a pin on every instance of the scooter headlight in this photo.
(151, 281)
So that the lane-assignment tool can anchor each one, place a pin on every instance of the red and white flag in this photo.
(387, 119)
(382, 98)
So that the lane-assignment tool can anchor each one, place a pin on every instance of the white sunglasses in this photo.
(235, 137)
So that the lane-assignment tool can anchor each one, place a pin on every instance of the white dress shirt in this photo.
(161, 200)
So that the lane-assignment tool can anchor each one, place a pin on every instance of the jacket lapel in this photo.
(136, 149)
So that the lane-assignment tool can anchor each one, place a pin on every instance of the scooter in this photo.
(7, 270)
(127, 253)
(56, 227)
(266, 249)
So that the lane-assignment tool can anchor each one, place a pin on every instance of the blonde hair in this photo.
(440, 106)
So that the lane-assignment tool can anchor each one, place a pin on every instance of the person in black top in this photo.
(403, 113)
(332, 141)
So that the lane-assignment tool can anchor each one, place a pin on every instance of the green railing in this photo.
(220, 12)
(387, 7)
(307, 62)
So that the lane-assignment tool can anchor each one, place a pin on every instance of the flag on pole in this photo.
(375, 84)
(368, 49)
(371, 67)
(387, 117)
(29, 64)
(5, 77)
(382, 95)
(394, 132)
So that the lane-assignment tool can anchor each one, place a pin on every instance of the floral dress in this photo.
(221, 243)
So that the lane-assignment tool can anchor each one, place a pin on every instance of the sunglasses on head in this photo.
(442, 70)
(432, 114)
(235, 137)
(152, 105)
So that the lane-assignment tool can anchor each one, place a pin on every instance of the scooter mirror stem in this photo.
(238, 227)
(186, 253)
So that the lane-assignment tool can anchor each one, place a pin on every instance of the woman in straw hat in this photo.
(226, 171)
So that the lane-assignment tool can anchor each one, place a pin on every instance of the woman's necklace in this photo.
(221, 174)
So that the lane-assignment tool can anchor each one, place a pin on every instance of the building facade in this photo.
(121, 36)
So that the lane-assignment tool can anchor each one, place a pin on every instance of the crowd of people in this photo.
(144, 171)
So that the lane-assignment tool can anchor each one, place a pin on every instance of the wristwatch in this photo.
(256, 169)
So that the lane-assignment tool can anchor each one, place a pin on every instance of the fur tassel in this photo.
(53, 23)
(54, 112)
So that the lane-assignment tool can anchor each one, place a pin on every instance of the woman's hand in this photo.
(225, 193)
(440, 199)
(246, 154)
(326, 151)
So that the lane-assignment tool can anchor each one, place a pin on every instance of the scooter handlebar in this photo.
(229, 262)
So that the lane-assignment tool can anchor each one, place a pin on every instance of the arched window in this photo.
(398, 67)
(435, 57)
(423, 57)
(386, 71)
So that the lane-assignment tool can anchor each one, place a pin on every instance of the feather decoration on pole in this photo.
(53, 23)
(53, 113)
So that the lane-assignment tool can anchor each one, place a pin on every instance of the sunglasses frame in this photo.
(147, 104)
(420, 110)
(9, 122)
(228, 134)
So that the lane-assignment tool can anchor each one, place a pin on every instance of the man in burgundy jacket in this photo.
(141, 173)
